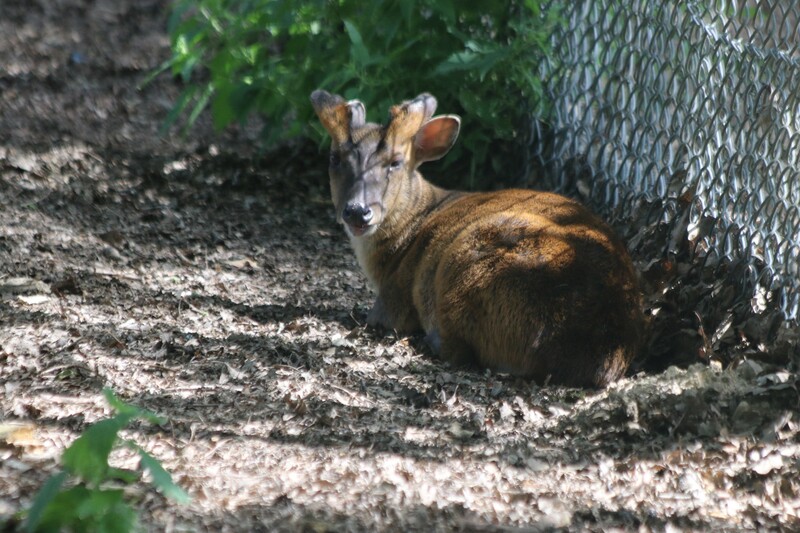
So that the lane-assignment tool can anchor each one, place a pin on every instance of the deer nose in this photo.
(357, 214)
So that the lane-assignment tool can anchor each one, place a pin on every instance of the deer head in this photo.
(373, 167)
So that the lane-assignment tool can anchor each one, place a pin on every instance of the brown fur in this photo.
(520, 281)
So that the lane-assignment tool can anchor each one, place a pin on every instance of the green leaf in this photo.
(464, 60)
(407, 10)
(358, 50)
(123, 474)
(43, 499)
(161, 478)
(61, 512)
(221, 109)
(183, 101)
(475, 59)
(118, 519)
(178, 12)
(533, 6)
(87, 457)
(199, 106)
(105, 511)
(241, 99)
(94, 504)
(130, 410)
(166, 65)
(446, 9)
(80, 509)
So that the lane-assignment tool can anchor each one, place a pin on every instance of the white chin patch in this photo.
(354, 233)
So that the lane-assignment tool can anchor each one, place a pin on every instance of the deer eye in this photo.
(336, 159)
(395, 163)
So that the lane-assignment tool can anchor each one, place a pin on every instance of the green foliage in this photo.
(96, 503)
(478, 58)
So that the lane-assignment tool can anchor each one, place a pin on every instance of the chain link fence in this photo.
(686, 116)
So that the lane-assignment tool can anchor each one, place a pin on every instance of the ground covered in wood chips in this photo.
(209, 283)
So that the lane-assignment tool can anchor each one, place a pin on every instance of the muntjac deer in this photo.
(525, 282)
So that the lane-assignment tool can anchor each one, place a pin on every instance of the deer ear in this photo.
(435, 138)
(406, 119)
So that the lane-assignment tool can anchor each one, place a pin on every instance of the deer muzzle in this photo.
(356, 218)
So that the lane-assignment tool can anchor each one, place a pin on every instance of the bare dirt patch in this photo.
(208, 282)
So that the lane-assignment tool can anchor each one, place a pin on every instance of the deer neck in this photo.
(378, 254)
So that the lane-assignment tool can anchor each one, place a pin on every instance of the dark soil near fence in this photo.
(205, 279)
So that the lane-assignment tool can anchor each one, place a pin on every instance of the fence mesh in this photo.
(686, 111)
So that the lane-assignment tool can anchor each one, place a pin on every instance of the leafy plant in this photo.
(96, 503)
(478, 58)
